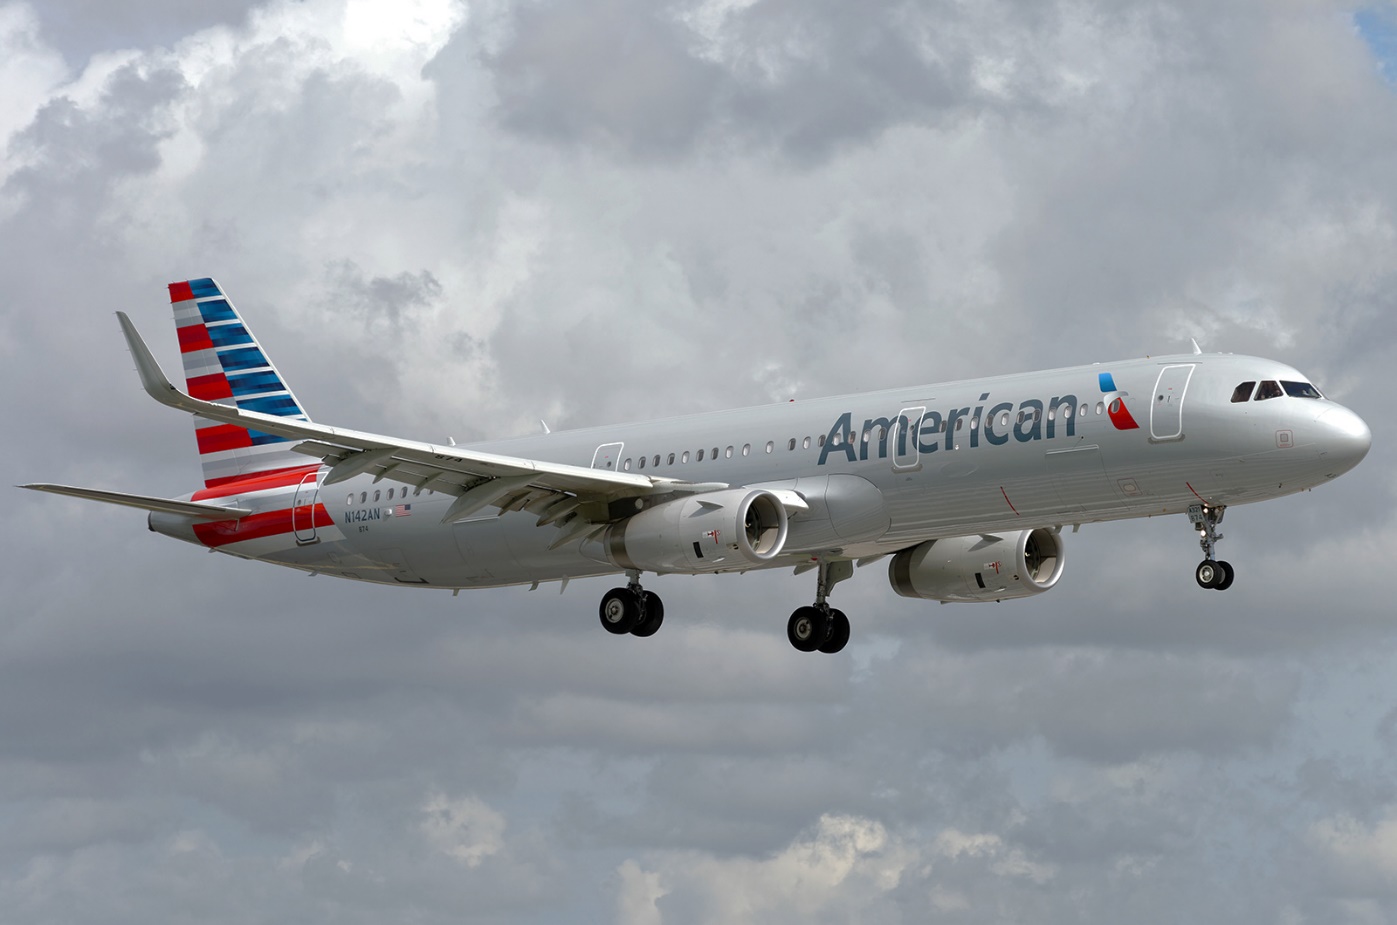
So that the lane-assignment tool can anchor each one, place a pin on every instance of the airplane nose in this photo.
(1344, 438)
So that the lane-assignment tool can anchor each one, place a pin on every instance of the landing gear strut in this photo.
(1211, 573)
(821, 627)
(632, 609)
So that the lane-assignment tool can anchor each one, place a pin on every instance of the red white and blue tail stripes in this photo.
(224, 363)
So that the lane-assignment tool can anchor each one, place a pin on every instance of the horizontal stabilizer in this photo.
(192, 509)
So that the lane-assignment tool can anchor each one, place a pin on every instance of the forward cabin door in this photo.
(1166, 409)
(303, 510)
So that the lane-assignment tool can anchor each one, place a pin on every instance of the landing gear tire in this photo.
(654, 610)
(1216, 576)
(808, 628)
(838, 633)
(620, 611)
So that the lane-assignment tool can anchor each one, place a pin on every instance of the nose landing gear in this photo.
(1210, 573)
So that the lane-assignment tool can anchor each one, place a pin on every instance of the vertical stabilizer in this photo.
(224, 363)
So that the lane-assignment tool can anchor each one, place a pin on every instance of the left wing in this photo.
(199, 510)
(561, 494)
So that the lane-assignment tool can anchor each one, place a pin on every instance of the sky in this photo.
(454, 219)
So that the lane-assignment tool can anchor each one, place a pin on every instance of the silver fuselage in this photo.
(879, 471)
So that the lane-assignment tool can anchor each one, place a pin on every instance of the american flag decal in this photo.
(402, 510)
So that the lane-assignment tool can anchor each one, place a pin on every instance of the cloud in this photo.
(451, 219)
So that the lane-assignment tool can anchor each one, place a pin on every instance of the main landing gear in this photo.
(1211, 573)
(821, 628)
(816, 628)
(632, 609)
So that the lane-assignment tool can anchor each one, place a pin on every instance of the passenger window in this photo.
(684, 457)
(822, 440)
(836, 439)
(806, 444)
(641, 463)
(699, 457)
(1100, 406)
(792, 444)
(1052, 414)
(715, 452)
(1004, 419)
(727, 454)
(1243, 391)
(377, 495)
(1268, 389)
(1020, 420)
(626, 465)
(417, 491)
(746, 448)
(960, 423)
(363, 496)
(770, 446)
(671, 459)
(656, 461)
(351, 499)
(1083, 411)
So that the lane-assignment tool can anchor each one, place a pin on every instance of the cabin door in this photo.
(905, 438)
(608, 456)
(303, 510)
(1167, 403)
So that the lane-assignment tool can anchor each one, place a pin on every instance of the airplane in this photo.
(964, 487)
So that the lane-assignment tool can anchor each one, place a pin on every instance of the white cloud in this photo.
(844, 863)
(463, 828)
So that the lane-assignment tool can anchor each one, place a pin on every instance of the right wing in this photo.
(575, 496)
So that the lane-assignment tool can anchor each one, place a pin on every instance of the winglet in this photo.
(153, 378)
(1197, 350)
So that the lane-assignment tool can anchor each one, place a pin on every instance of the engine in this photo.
(721, 530)
(983, 567)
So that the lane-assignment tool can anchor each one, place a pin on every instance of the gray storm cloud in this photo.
(448, 218)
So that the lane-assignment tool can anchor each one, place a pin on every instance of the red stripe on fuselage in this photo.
(181, 292)
(254, 481)
(210, 388)
(193, 337)
(222, 437)
(260, 526)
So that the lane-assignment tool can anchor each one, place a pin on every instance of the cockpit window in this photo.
(1243, 391)
(1300, 390)
(1268, 389)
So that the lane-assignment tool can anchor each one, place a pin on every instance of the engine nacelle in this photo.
(731, 529)
(983, 567)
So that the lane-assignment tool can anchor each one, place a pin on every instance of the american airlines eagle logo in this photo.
(1115, 403)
